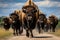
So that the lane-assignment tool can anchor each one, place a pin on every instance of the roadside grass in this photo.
(57, 33)
(4, 33)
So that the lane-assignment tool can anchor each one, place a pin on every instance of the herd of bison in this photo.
(29, 18)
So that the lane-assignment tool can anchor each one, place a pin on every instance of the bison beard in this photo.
(6, 26)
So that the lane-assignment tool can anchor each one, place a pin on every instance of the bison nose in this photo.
(41, 21)
(29, 14)
(51, 22)
(29, 17)
(5, 24)
(13, 21)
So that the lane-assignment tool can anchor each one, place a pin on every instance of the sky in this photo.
(48, 7)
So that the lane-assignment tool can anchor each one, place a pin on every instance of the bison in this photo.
(29, 19)
(53, 21)
(16, 24)
(41, 22)
(7, 22)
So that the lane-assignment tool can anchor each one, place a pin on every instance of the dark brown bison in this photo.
(46, 26)
(41, 22)
(16, 24)
(29, 19)
(7, 22)
(53, 21)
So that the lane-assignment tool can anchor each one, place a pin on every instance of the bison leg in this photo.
(46, 28)
(13, 31)
(27, 33)
(50, 28)
(42, 26)
(17, 32)
(31, 33)
(39, 29)
(20, 30)
(53, 29)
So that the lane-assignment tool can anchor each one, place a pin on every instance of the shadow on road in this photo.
(42, 36)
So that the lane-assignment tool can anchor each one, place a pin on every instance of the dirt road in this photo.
(41, 36)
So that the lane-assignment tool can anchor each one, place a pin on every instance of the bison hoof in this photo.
(39, 32)
(27, 34)
(31, 35)
(53, 31)
(14, 34)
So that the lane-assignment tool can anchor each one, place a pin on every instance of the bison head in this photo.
(51, 18)
(30, 11)
(42, 17)
(7, 23)
(14, 16)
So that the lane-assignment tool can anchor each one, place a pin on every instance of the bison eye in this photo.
(34, 11)
(10, 17)
(24, 10)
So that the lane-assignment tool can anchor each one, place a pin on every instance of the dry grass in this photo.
(4, 33)
(57, 33)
